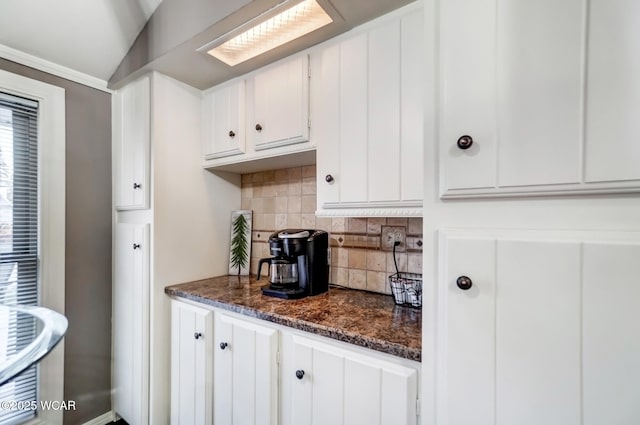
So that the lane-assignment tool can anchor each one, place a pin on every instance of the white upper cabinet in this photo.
(131, 139)
(223, 120)
(538, 97)
(281, 105)
(260, 120)
(369, 133)
(538, 330)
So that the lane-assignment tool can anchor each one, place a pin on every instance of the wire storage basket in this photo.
(406, 288)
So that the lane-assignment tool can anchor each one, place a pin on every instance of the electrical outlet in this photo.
(390, 234)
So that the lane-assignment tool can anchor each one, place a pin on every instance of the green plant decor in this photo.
(239, 243)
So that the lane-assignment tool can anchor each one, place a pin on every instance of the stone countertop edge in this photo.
(377, 344)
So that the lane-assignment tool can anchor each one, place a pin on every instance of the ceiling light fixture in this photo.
(289, 22)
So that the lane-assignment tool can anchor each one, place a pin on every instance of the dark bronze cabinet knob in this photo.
(299, 374)
(137, 185)
(197, 335)
(223, 345)
(329, 178)
(136, 246)
(465, 142)
(464, 283)
(232, 134)
(258, 127)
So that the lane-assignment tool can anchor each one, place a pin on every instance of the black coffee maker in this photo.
(299, 266)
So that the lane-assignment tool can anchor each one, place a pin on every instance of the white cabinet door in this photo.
(370, 140)
(131, 139)
(513, 79)
(131, 323)
(528, 341)
(245, 373)
(335, 386)
(224, 121)
(191, 365)
(281, 105)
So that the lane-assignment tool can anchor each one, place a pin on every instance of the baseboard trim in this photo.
(103, 419)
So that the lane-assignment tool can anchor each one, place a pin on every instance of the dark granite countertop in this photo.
(362, 318)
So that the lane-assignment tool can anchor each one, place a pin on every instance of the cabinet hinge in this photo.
(278, 357)
(417, 407)
(309, 123)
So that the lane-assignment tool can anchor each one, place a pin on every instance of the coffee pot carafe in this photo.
(282, 271)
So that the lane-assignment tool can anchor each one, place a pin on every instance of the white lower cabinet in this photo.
(245, 373)
(332, 385)
(191, 364)
(266, 374)
(539, 329)
(131, 322)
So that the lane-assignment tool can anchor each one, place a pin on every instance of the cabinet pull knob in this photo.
(464, 283)
(258, 127)
(223, 345)
(329, 178)
(137, 185)
(232, 134)
(465, 142)
(197, 335)
(136, 246)
(299, 374)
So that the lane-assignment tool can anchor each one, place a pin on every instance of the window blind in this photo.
(18, 244)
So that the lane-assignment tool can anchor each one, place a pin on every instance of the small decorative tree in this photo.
(239, 243)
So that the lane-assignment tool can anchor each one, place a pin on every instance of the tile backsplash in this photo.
(286, 198)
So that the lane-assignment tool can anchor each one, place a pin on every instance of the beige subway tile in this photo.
(256, 191)
(401, 258)
(357, 279)
(269, 189)
(415, 226)
(376, 281)
(340, 276)
(246, 178)
(257, 205)
(323, 223)
(281, 204)
(295, 174)
(294, 220)
(269, 205)
(357, 259)
(295, 188)
(414, 263)
(338, 224)
(374, 225)
(308, 221)
(376, 261)
(340, 257)
(269, 222)
(269, 175)
(294, 204)
(245, 203)
(247, 191)
(281, 221)
(309, 186)
(258, 221)
(309, 171)
(281, 175)
(257, 177)
(281, 189)
(397, 221)
(253, 268)
(308, 204)
(357, 225)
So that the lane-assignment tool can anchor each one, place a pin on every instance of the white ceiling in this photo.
(89, 36)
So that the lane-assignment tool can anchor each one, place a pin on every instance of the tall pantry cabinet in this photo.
(171, 224)
(532, 200)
